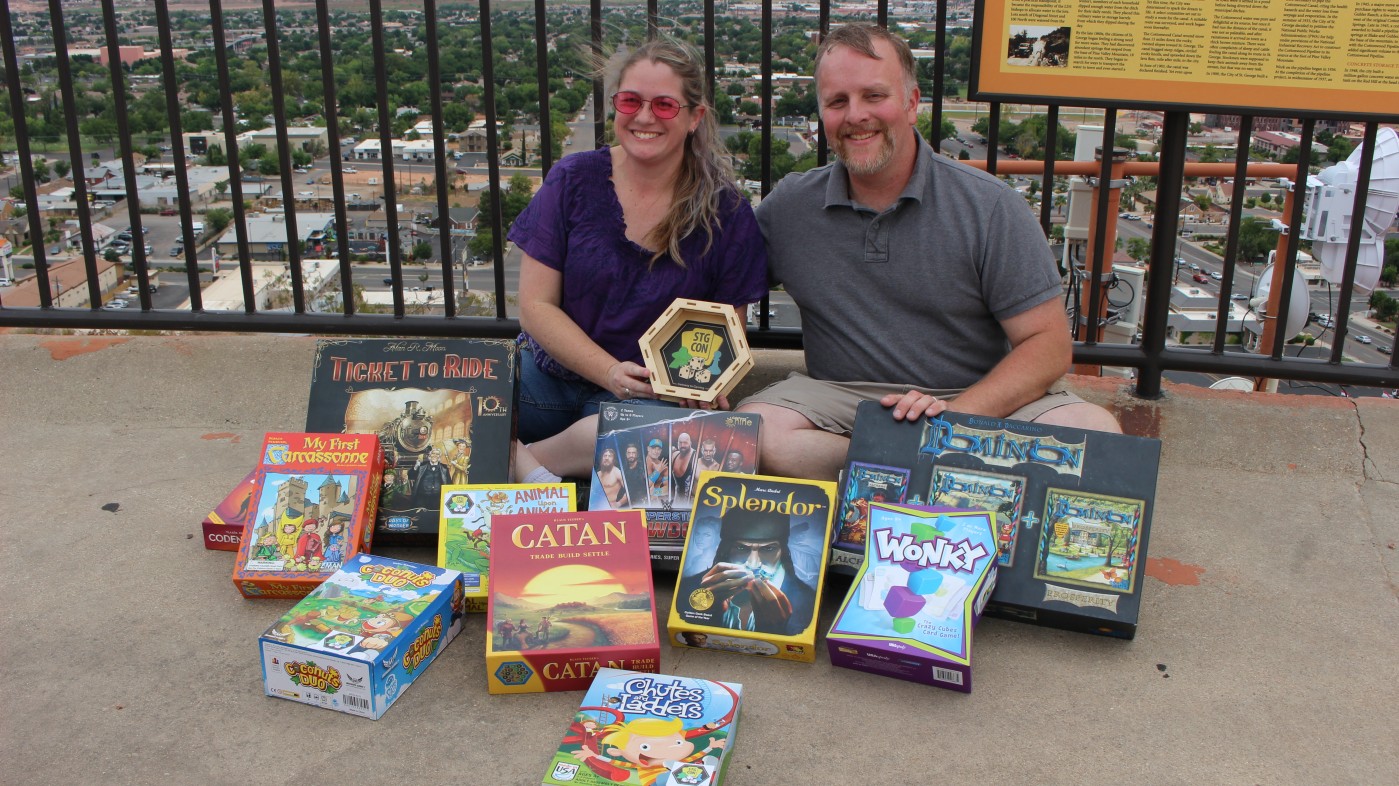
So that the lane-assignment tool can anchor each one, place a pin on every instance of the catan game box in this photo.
(464, 540)
(570, 593)
(362, 637)
(752, 570)
(925, 580)
(1073, 508)
(650, 457)
(312, 508)
(636, 728)
(442, 409)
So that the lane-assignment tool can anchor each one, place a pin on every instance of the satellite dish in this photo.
(1233, 383)
(1297, 311)
(1330, 200)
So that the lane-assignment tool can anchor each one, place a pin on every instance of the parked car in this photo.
(349, 170)
(169, 211)
(176, 250)
(5, 282)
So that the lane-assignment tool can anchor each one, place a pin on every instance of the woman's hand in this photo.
(626, 379)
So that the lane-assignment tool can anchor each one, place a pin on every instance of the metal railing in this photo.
(1151, 357)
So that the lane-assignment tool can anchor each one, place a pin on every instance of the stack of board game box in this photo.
(569, 593)
(753, 566)
(626, 717)
(927, 575)
(443, 411)
(464, 536)
(650, 458)
(312, 508)
(1073, 507)
(223, 527)
(362, 637)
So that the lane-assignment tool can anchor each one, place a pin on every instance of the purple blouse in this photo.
(574, 225)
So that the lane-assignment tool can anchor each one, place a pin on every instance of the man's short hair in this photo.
(861, 38)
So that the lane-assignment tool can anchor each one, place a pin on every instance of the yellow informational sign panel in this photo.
(1291, 56)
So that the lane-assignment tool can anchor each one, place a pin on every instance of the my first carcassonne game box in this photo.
(1073, 507)
(442, 409)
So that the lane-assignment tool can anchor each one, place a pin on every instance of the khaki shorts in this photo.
(831, 405)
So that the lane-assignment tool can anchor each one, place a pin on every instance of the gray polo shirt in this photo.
(910, 295)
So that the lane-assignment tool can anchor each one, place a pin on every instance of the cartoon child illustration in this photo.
(389, 623)
(650, 747)
(286, 540)
(309, 547)
(335, 542)
(266, 547)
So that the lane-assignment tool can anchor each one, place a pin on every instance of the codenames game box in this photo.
(464, 539)
(925, 580)
(361, 638)
(570, 593)
(442, 409)
(625, 714)
(650, 458)
(223, 527)
(1073, 507)
(753, 566)
(312, 508)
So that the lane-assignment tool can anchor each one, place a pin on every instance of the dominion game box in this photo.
(1073, 508)
(312, 508)
(570, 593)
(442, 409)
(650, 458)
(753, 566)
(223, 527)
(362, 637)
(927, 575)
(464, 539)
(636, 728)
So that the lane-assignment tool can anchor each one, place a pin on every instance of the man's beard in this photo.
(869, 165)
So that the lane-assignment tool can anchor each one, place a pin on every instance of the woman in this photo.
(611, 239)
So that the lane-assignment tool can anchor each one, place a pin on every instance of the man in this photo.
(708, 460)
(428, 480)
(634, 473)
(460, 460)
(609, 476)
(733, 461)
(657, 472)
(682, 467)
(908, 270)
(751, 584)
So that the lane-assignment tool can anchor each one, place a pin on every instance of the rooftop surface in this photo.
(1268, 650)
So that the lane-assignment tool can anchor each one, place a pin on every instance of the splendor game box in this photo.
(570, 593)
(640, 728)
(650, 458)
(753, 566)
(442, 409)
(1073, 507)
(464, 540)
(910, 612)
(312, 508)
(362, 637)
(223, 527)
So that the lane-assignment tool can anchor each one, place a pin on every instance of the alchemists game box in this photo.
(362, 637)
(753, 566)
(442, 409)
(312, 508)
(464, 538)
(927, 575)
(1073, 508)
(650, 458)
(570, 593)
(640, 728)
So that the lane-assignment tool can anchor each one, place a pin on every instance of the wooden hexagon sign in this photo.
(696, 350)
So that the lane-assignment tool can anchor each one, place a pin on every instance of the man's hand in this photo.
(725, 580)
(913, 405)
(771, 608)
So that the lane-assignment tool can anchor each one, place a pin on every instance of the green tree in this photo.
(422, 251)
(61, 168)
(218, 219)
(1256, 238)
(1139, 248)
(215, 157)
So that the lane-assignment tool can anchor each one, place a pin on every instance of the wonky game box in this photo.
(570, 593)
(464, 538)
(313, 508)
(638, 728)
(362, 637)
(1073, 507)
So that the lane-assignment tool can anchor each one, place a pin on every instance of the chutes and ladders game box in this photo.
(570, 593)
(464, 538)
(1073, 508)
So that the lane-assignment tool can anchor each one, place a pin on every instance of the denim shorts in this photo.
(549, 404)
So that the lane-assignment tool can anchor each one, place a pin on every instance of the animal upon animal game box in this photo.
(650, 457)
(570, 593)
(360, 639)
(442, 409)
(1073, 508)
(464, 539)
(637, 728)
(223, 527)
(753, 567)
(312, 509)
(925, 580)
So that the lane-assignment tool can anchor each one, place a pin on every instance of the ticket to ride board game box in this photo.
(753, 567)
(927, 575)
(570, 593)
(223, 527)
(442, 409)
(313, 508)
(1073, 507)
(363, 636)
(636, 728)
(650, 457)
(464, 539)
